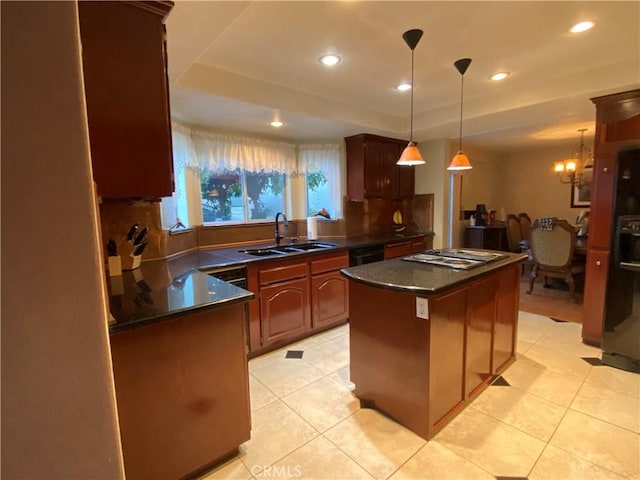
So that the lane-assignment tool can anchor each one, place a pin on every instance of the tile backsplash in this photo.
(368, 216)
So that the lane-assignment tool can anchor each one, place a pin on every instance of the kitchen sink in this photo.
(312, 245)
(283, 250)
(262, 252)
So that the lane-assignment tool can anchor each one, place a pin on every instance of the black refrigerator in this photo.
(621, 335)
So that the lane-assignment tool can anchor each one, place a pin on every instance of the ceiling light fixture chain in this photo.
(411, 155)
(460, 161)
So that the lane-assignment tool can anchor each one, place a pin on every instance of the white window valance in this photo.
(184, 152)
(217, 151)
(323, 157)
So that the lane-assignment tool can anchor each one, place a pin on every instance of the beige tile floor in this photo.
(559, 418)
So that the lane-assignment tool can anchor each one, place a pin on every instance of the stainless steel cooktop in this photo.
(455, 258)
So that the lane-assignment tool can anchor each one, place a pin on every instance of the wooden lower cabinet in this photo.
(295, 298)
(446, 358)
(394, 250)
(481, 303)
(284, 309)
(422, 372)
(504, 331)
(182, 392)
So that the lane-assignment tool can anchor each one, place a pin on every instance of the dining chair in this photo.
(552, 249)
(514, 235)
(525, 226)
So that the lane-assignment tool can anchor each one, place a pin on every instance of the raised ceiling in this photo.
(235, 66)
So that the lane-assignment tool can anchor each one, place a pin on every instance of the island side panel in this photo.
(182, 392)
(389, 354)
(448, 315)
(480, 315)
(506, 322)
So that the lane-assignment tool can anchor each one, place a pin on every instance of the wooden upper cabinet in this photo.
(372, 171)
(127, 95)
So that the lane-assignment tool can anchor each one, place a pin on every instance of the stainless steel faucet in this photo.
(279, 237)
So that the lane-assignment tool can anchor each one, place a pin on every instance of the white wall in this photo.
(530, 185)
(58, 402)
(433, 177)
(521, 181)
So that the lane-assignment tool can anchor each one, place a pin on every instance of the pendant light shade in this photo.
(460, 161)
(411, 155)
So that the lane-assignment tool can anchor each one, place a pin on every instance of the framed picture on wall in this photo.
(581, 196)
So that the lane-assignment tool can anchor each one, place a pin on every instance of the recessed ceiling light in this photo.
(330, 59)
(499, 76)
(582, 27)
(276, 123)
(403, 87)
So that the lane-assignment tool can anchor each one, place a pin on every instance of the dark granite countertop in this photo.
(134, 303)
(162, 290)
(421, 278)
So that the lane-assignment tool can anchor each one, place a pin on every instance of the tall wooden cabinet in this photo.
(125, 74)
(617, 127)
(372, 171)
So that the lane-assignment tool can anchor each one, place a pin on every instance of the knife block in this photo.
(115, 265)
(131, 262)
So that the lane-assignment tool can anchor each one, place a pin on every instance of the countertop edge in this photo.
(471, 276)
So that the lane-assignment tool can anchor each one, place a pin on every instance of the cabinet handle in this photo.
(598, 263)
(605, 169)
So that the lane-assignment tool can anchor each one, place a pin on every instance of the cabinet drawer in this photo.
(286, 272)
(397, 250)
(327, 264)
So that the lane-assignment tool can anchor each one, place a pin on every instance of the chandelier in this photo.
(572, 170)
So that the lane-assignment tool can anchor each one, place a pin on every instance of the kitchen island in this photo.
(426, 339)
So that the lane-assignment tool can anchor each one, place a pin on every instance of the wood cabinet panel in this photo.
(396, 364)
(394, 250)
(481, 304)
(506, 319)
(155, 417)
(284, 310)
(600, 216)
(372, 171)
(489, 237)
(330, 263)
(419, 244)
(126, 87)
(283, 272)
(329, 299)
(617, 128)
(596, 273)
(446, 355)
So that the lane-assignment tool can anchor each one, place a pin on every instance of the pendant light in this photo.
(460, 161)
(411, 155)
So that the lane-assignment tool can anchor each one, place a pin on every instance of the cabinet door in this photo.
(595, 289)
(377, 180)
(446, 354)
(394, 250)
(504, 328)
(284, 309)
(481, 296)
(329, 299)
(126, 87)
(404, 175)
